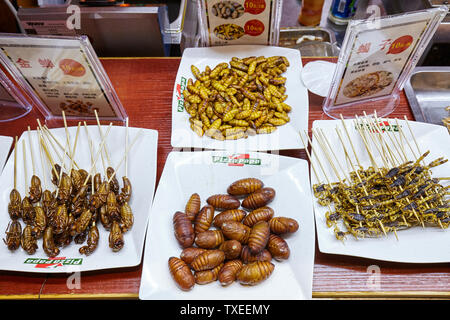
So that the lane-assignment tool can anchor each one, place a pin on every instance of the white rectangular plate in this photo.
(208, 173)
(5, 146)
(414, 245)
(142, 175)
(286, 137)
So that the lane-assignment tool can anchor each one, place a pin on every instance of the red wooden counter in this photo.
(144, 86)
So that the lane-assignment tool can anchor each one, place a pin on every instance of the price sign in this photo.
(61, 74)
(376, 59)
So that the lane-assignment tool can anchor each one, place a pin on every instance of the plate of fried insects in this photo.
(246, 97)
(73, 199)
(380, 188)
(225, 225)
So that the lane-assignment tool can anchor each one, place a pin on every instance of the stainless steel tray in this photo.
(428, 93)
(323, 43)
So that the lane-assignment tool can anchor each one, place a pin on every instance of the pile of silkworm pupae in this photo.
(235, 244)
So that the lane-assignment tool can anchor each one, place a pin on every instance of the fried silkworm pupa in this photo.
(259, 199)
(40, 222)
(28, 241)
(181, 273)
(204, 219)
(105, 219)
(233, 214)
(223, 201)
(15, 205)
(261, 214)
(208, 260)
(245, 186)
(183, 230)
(48, 243)
(231, 248)
(116, 241)
(126, 217)
(281, 225)
(255, 272)
(234, 230)
(192, 206)
(209, 239)
(247, 256)
(13, 235)
(92, 241)
(278, 247)
(227, 274)
(207, 276)
(188, 254)
(259, 235)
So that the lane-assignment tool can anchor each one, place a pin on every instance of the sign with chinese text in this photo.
(376, 59)
(62, 74)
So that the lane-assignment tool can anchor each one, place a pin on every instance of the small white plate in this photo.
(142, 175)
(5, 146)
(208, 173)
(317, 76)
(414, 245)
(286, 137)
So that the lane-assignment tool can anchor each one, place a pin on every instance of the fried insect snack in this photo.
(15, 205)
(261, 214)
(259, 198)
(227, 10)
(227, 274)
(234, 100)
(13, 235)
(258, 237)
(232, 244)
(233, 214)
(223, 201)
(181, 273)
(209, 239)
(208, 260)
(255, 272)
(92, 241)
(183, 230)
(28, 241)
(207, 276)
(245, 186)
(193, 206)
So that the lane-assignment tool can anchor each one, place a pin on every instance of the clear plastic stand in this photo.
(376, 59)
(63, 77)
(13, 105)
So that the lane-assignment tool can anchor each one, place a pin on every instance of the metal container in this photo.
(428, 93)
(311, 41)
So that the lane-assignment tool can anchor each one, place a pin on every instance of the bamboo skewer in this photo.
(15, 164)
(123, 158)
(101, 137)
(25, 167)
(126, 147)
(98, 153)
(31, 151)
(41, 155)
